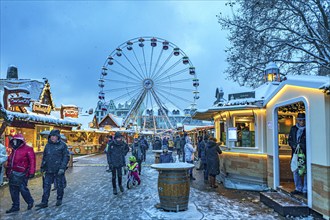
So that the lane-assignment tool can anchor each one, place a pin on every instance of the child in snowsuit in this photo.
(133, 167)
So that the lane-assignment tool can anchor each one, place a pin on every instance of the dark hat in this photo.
(117, 134)
(301, 116)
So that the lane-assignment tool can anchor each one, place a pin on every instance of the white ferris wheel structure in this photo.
(152, 74)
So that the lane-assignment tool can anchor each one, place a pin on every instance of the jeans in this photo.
(15, 190)
(48, 179)
(116, 171)
(298, 182)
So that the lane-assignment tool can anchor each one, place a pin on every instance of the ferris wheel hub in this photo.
(148, 83)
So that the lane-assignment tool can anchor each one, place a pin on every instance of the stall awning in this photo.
(211, 112)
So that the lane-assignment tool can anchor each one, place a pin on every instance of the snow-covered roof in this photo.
(39, 118)
(263, 94)
(34, 86)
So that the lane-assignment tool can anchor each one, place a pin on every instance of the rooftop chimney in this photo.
(12, 72)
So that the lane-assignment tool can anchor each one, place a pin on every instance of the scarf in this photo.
(299, 131)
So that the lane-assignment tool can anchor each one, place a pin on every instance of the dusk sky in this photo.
(69, 41)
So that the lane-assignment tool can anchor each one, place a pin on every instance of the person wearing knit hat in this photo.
(117, 150)
(297, 137)
(21, 166)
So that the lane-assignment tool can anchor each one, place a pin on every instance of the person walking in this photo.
(3, 159)
(116, 153)
(137, 152)
(297, 138)
(144, 146)
(189, 155)
(212, 159)
(182, 144)
(21, 166)
(54, 162)
(177, 146)
(201, 154)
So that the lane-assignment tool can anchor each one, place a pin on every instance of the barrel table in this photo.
(173, 185)
(157, 154)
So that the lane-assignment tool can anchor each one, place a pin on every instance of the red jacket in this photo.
(22, 159)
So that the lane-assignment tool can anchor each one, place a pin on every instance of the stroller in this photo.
(132, 179)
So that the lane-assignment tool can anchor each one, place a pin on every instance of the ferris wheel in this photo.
(153, 77)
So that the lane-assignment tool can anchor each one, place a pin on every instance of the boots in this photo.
(115, 191)
(212, 182)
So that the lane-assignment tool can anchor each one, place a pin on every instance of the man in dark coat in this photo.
(117, 151)
(20, 161)
(144, 146)
(182, 144)
(201, 154)
(137, 152)
(157, 144)
(166, 157)
(212, 159)
(297, 136)
(54, 162)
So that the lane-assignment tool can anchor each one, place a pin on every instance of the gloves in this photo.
(60, 172)
(31, 176)
(42, 170)
(110, 166)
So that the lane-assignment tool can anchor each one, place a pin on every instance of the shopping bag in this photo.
(294, 160)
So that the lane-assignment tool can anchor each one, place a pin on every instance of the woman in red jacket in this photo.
(21, 162)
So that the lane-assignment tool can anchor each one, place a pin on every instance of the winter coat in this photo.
(201, 151)
(157, 144)
(182, 143)
(56, 155)
(137, 151)
(144, 144)
(189, 152)
(3, 154)
(212, 158)
(177, 144)
(166, 158)
(22, 159)
(293, 140)
(116, 153)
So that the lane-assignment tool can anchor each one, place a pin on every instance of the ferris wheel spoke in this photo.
(151, 58)
(162, 66)
(137, 60)
(168, 69)
(141, 77)
(122, 82)
(169, 100)
(145, 63)
(172, 75)
(175, 88)
(122, 96)
(156, 65)
(122, 74)
(178, 97)
(128, 70)
(175, 81)
(120, 89)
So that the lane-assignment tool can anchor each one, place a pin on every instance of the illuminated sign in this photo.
(19, 101)
(41, 108)
(71, 112)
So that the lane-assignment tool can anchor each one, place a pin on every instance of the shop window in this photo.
(285, 122)
(41, 141)
(245, 131)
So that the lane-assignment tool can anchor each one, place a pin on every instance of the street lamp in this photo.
(272, 73)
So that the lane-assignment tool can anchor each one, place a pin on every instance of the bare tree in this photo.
(293, 33)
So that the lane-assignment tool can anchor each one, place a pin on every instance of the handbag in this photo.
(16, 178)
(294, 159)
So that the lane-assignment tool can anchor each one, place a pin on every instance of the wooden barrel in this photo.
(173, 189)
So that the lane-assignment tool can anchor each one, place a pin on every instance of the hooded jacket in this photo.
(117, 151)
(56, 155)
(21, 159)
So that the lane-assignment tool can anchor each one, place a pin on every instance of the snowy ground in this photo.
(89, 196)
